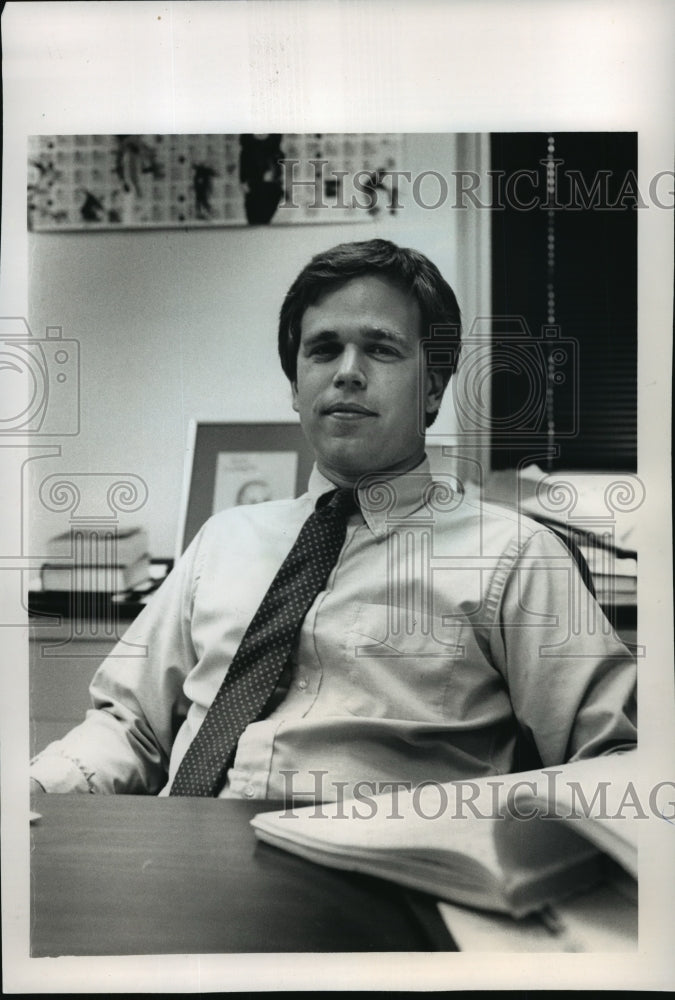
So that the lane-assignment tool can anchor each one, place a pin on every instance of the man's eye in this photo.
(323, 351)
(383, 350)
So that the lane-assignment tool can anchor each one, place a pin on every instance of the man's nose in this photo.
(350, 371)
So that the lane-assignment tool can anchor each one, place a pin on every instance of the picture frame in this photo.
(231, 463)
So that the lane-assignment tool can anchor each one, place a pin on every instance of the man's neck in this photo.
(350, 482)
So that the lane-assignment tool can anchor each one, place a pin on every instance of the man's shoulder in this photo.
(471, 524)
(497, 516)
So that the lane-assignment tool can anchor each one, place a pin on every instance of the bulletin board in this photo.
(158, 181)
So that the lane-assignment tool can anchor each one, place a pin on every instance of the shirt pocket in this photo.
(401, 665)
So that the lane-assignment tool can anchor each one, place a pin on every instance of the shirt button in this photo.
(302, 683)
(249, 791)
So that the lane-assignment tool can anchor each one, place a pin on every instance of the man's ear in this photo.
(435, 387)
(294, 390)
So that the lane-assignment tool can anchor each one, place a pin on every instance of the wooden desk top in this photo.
(124, 875)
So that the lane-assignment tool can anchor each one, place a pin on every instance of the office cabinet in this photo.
(62, 661)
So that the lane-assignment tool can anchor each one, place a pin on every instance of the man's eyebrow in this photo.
(319, 336)
(375, 333)
(383, 333)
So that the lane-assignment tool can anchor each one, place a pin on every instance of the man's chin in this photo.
(342, 476)
(346, 468)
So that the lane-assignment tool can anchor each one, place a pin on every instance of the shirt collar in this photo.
(383, 500)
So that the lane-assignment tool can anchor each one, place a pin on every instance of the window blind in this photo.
(564, 261)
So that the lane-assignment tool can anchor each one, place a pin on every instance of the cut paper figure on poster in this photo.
(88, 182)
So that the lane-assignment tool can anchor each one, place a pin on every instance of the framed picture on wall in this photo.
(231, 464)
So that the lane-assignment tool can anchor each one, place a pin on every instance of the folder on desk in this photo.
(512, 845)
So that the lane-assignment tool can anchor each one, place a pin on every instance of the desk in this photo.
(124, 875)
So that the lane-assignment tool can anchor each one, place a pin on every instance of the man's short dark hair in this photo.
(407, 269)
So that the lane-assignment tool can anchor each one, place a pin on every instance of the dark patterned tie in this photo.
(265, 648)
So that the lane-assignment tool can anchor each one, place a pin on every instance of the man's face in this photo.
(358, 380)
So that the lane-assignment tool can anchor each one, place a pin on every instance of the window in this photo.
(564, 271)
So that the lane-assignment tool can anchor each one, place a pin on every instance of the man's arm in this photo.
(572, 683)
(125, 741)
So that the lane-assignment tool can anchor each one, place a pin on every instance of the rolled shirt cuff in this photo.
(59, 774)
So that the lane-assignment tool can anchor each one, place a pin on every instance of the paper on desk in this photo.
(601, 920)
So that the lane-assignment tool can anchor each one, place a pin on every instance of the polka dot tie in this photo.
(265, 648)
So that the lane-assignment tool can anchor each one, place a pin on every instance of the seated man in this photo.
(441, 631)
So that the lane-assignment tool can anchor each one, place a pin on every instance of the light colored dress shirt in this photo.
(443, 621)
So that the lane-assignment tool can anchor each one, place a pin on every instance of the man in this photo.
(445, 632)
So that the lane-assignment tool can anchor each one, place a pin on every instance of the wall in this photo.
(174, 325)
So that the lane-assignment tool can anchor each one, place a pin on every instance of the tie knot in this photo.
(339, 503)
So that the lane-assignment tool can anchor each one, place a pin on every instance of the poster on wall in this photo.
(253, 477)
(160, 181)
(231, 464)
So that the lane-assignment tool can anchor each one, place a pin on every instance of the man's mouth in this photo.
(349, 411)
